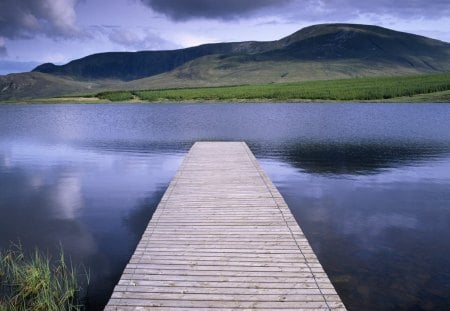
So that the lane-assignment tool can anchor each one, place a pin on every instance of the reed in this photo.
(37, 282)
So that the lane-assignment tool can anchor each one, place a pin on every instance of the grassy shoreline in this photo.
(37, 281)
(438, 97)
(401, 89)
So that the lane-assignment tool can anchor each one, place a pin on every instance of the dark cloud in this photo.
(211, 9)
(27, 18)
(3, 51)
(306, 10)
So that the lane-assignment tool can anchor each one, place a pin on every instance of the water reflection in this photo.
(354, 158)
(369, 185)
(137, 219)
(95, 203)
(382, 237)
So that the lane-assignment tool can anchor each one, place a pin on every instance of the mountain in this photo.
(129, 66)
(316, 52)
(31, 85)
(329, 42)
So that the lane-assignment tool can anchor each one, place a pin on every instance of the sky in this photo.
(38, 31)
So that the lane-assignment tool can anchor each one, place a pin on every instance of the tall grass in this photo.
(37, 282)
(378, 88)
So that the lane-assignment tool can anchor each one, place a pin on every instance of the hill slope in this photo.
(329, 42)
(316, 52)
(128, 66)
(31, 85)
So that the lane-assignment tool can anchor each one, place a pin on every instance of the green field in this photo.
(404, 88)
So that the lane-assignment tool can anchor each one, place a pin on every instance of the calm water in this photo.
(369, 184)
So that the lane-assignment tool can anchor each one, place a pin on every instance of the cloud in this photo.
(28, 18)
(211, 9)
(187, 39)
(138, 39)
(303, 10)
(311, 10)
(404, 8)
(3, 51)
(131, 38)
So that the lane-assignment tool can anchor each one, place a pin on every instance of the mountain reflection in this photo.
(368, 183)
(141, 147)
(353, 158)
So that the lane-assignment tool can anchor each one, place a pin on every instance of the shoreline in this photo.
(86, 101)
(395, 89)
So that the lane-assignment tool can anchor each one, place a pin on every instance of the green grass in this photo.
(116, 96)
(437, 97)
(36, 282)
(358, 89)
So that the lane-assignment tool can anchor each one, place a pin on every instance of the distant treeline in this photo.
(358, 89)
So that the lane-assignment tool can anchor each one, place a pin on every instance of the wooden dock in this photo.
(222, 238)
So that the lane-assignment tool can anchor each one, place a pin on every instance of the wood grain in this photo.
(223, 238)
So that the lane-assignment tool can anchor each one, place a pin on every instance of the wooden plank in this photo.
(150, 304)
(222, 238)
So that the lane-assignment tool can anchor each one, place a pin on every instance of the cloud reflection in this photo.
(68, 197)
(94, 201)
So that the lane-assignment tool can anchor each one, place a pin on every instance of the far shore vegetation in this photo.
(414, 88)
(358, 89)
(38, 282)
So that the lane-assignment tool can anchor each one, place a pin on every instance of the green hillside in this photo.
(433, 87)
(372, 45)
(321, 52)
(32, 85)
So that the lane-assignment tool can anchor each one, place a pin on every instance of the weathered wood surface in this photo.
(222, 237)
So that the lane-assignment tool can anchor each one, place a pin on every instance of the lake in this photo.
(369, 185)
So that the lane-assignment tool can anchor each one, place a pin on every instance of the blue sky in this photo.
(37, 31)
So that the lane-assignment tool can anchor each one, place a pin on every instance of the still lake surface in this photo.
(368, 183)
